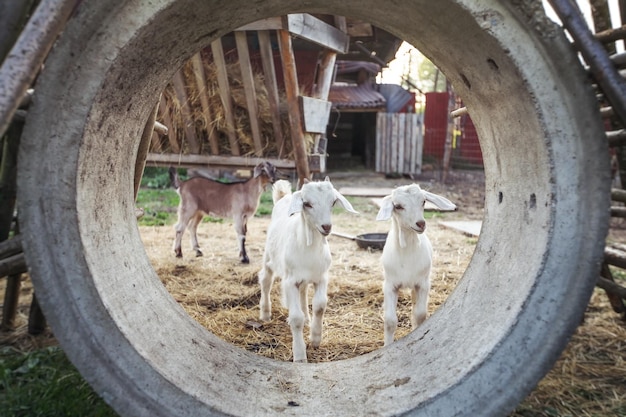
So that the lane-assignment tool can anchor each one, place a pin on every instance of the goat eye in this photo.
(307, 204)
(398, 207)
(423, 203)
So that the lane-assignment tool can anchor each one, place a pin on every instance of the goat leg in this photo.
(296, 322)
(320, 299)
(389, 306)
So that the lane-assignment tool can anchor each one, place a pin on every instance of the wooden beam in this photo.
(160, 128)
(198, 73)
(188, 124)
(164, 115)
(190, 161)
(306, 27)
(314, 30)
(272, 23)
(247, 78)
(292, 92)
(144, 147)
(269, 72)
(325, 75)
(222, 81)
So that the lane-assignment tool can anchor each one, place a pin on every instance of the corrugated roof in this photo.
(396, 96)
(349, 67)
(357, 97)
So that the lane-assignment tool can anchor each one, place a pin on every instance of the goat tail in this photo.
(280, 189)
(174, 177)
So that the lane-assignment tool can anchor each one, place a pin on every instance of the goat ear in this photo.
(257, 170)
(386, 207)
(344, 202)
(296, 203)
(441, 202)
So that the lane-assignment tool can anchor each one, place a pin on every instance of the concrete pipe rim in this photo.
(547, 180)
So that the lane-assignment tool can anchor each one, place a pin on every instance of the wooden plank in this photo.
(393, 167)
(307, 27)
(164, 115)
(408, 143)
(420, 141)
(315, 114)
(166, 160)
(295, 122)
(269, 72)
(224, 87)
(272, 23)
(401, 118)
(198, 73)
(380, 145)
(317, 31)
(185, 112)
(247, 77)
(144, 146)
(415, 141)
(325, 74)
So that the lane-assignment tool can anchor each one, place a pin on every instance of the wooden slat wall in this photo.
(399, 143)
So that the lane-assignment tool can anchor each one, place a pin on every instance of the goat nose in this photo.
(326, 228)
(421, 224)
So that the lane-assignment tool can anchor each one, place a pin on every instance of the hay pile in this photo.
(223, 295)
(215, 122)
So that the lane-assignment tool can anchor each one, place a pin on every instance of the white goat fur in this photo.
(297, 251)
(407, 255)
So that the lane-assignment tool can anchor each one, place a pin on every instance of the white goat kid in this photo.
(297, 251)
(407, 255)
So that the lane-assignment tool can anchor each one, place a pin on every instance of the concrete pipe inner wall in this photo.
(523, 294)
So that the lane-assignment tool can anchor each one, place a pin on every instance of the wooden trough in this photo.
(479, 354)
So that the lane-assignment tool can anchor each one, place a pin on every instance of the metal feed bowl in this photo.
(547, 187)
(371, 240)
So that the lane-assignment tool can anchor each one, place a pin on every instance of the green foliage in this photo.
(265, 204)
(45, 383)
(155, 178)
(159, 206)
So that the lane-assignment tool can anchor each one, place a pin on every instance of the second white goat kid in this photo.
(407, 255)
(297, 251)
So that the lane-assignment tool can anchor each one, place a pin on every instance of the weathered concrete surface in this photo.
(498, 333)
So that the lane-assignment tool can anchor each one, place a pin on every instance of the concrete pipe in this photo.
(523, 294)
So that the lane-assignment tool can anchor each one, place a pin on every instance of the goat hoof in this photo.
(179, 255)
(300, 361)
(198, 254)
(245, 260)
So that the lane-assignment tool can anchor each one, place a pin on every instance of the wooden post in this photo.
(167, 121)
(267, 59)
(292, 92)
(447, 151)
(247, 77)
(222, 81)
(144, 147)
(198, 72)
(188, 123)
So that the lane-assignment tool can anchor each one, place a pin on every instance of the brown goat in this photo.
(201, 196)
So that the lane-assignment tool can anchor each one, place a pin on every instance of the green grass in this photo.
(45, 383)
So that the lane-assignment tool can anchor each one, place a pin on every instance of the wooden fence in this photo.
(399, 143)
